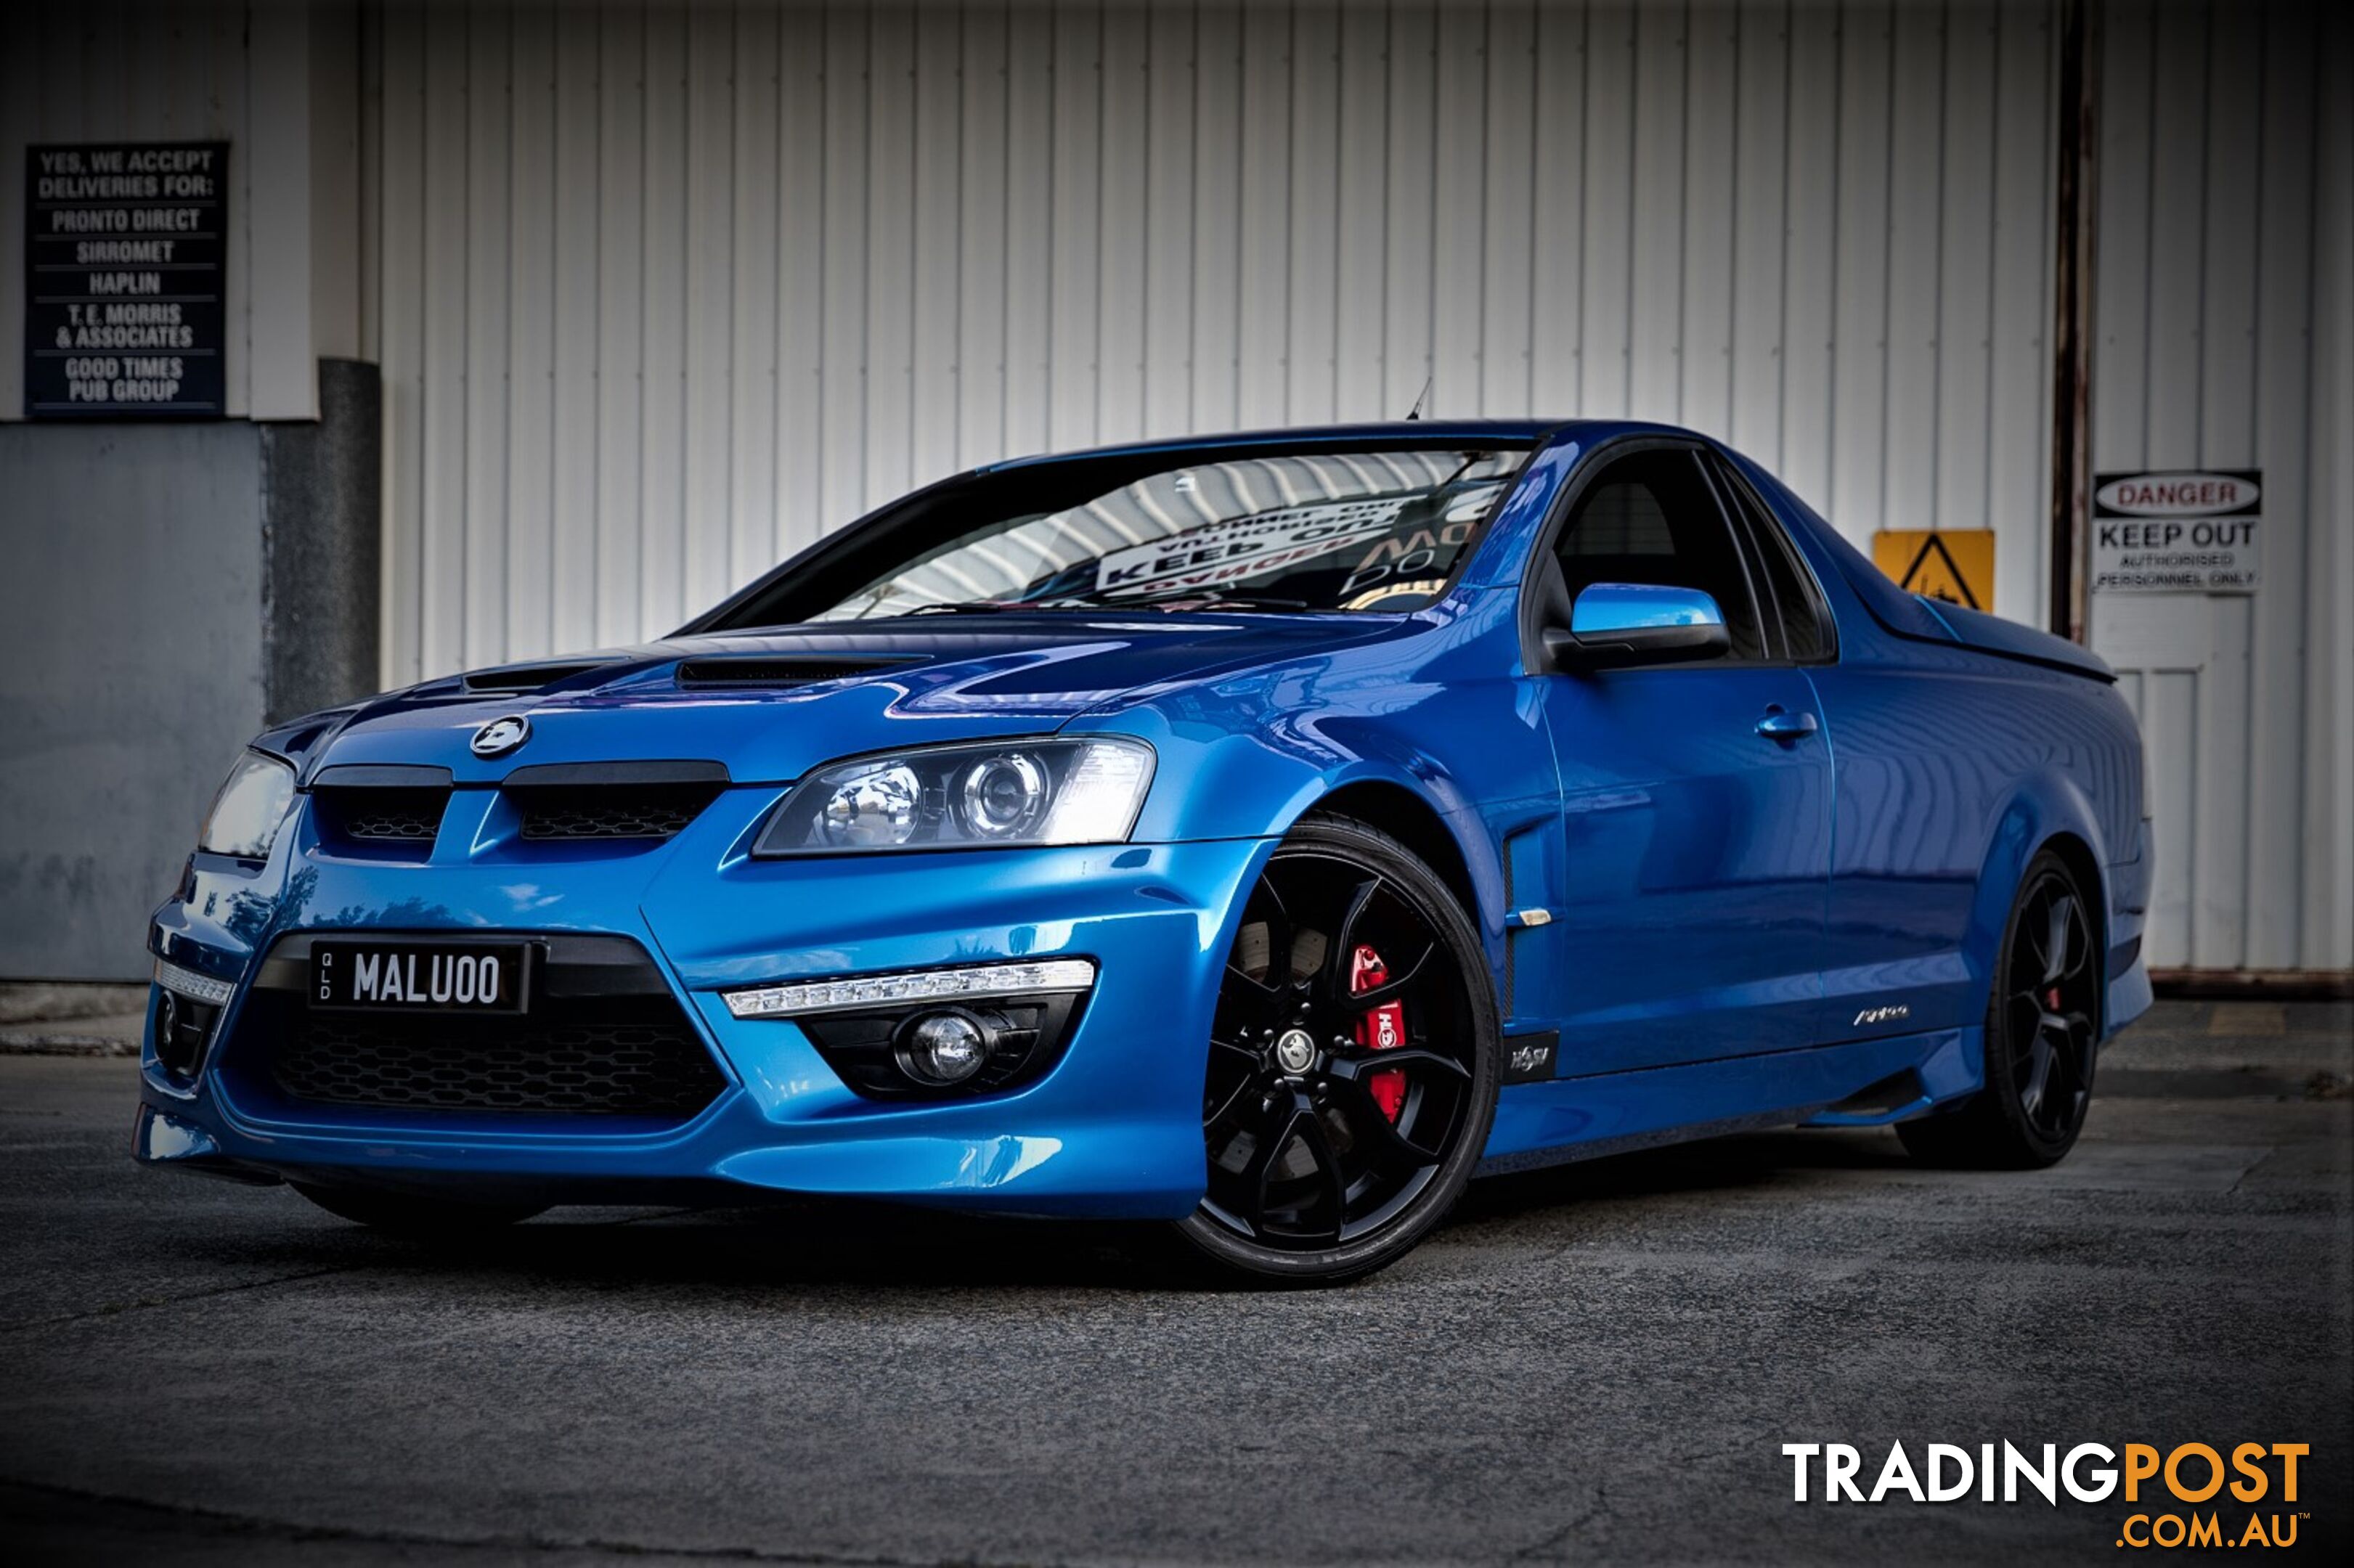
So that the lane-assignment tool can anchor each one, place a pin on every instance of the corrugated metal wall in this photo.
(662, 292)
(2221, 303)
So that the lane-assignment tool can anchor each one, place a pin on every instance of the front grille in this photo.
(379, 805)
(396, 816)
(615, 811)
(603, 1056)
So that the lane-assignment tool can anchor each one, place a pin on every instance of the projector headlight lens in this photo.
(1002, 797)
(872, 808)
(1076, 791)
(246, 815)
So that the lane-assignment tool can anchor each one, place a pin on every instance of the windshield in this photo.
(1353, 531)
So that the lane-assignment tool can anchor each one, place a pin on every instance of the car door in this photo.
(1695, 831)
(1926, 750)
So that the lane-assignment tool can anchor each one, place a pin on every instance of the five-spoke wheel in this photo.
(2043, 1034)
(1353, 1062)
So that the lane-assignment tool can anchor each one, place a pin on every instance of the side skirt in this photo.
(1562, 1120)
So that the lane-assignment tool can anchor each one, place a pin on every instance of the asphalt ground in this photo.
(1596, 1363)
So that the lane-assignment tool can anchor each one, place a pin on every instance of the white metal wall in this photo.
(662, 292)
(2223, 340)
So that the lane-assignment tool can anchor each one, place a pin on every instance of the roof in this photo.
(1442, 431)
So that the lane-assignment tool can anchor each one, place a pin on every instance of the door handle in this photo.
(1786, 727)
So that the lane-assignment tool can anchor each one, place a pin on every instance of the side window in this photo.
(1652, 518)
(1781, 575)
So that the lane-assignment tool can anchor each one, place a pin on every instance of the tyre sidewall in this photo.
(1248, 1260)
(2002, 1094)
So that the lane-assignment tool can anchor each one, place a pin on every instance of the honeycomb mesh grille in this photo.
(386, 816)
(611, 811)
(614, 1057)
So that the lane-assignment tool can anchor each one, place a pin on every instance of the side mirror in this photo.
(1616, 624)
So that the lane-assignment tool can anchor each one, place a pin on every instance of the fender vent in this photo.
(777, 672)
(1523, 871)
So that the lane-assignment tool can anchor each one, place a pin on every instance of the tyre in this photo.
(2042, 1035)
(1353, 1063)
(427, 1219)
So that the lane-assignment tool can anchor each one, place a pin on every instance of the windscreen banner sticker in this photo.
(1413, 562)
(1236, 549)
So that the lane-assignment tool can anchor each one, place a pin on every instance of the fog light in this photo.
(182, 1029)
(943, 1048)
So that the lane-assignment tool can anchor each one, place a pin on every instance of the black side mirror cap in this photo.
(1635, 645)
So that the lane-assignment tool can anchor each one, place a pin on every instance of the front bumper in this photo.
(1112, 1130)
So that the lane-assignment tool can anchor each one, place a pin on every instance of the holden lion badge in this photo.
(500, 736)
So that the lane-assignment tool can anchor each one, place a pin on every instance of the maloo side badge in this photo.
(500, 736)
(1881, 1016)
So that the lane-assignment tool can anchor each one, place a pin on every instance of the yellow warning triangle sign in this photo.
(1955, 566)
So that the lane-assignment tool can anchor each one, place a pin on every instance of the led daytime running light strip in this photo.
(923, 985)
(192, 985)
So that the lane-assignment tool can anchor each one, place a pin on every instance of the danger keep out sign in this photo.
(2177, 532)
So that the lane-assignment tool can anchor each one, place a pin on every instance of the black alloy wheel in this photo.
(2042, 1035)
(1352, 1065)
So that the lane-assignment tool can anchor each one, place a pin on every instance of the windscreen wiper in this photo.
(1214, 600)
(968, 607)
(1142, 601)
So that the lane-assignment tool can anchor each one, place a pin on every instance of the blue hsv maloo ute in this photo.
(1260, 835)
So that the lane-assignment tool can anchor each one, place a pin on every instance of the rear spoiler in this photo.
(1993, 634)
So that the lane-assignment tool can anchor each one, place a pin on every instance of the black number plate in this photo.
(422, 977)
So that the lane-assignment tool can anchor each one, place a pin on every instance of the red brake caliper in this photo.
(1379, 1028)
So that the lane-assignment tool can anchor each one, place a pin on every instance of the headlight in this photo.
(246, 815)
(966, 796)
